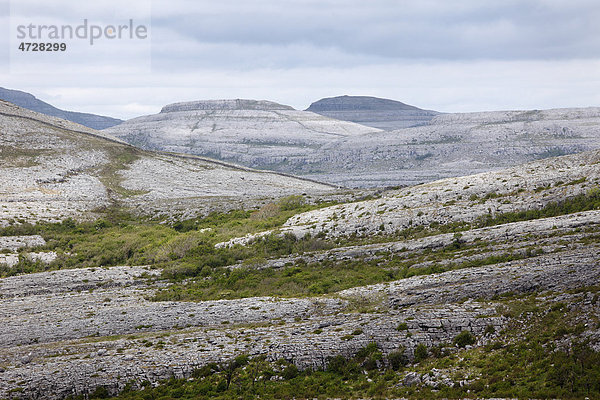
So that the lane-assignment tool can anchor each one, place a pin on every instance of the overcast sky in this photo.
(453, 56)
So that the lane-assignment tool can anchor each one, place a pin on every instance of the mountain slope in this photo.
(52, 169)
(30, 102)
(372, 111)
(457, 145)
(269, 136)
(258, 134)
(462, 200)
(447, 289)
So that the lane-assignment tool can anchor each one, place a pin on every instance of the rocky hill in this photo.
(475, 286)
(265, 135)
(52, 169)
(26, 100)
(372, 111)
(459, 144)
(428, 289)
(258, 134)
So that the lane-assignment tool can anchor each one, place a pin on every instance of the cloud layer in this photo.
(464, 55)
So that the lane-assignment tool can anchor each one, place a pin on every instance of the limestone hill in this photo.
(372, 111)
(53, 169)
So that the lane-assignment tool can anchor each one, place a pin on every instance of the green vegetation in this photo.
(465, 338)
(185, 251)
(182, 249)
(583, 202)
(120, 159)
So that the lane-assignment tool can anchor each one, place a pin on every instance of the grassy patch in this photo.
(120, 159)
(183, 249)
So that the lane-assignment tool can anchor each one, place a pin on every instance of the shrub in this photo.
(291, 203)
(490, 330)
(290, 372)
(464, 338)
(421, 352)
(397, 360)
(402, 326)
(336, 364)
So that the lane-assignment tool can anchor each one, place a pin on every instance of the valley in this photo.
(145, 274)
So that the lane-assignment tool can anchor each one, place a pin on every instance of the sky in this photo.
(449, 56)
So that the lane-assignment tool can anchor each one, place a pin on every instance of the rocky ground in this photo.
(53, 169)
(67, 331)
(454, 200)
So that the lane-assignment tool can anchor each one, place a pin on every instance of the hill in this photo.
(52, 169)
(26, 100)
(447, 289)
(372, 111)
(257, 134)
(184, 277)
(456, 145)
(266, 135)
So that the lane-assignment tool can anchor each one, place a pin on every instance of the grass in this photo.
(185, 251)
(120, 159)
(182, 249)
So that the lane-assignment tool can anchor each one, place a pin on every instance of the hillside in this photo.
(268, 136)
(53, 169)
(258, 134)
(458, 144)
(372, 111)
(26, 100)
(443, 290)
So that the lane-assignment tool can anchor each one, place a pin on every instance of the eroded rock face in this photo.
(372, 111)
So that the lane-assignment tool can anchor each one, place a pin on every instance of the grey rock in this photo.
(53, 169)
(268, 136)
(455, 199)
(412, 379)
(17, 242)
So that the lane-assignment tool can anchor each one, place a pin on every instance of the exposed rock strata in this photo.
(53, 169)
(343, 153)
(372, 111)
(455, 200)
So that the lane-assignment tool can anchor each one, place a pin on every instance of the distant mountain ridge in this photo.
(255, 133)
(29, 101)
(235, 104)
(267, 135)
(376, 112)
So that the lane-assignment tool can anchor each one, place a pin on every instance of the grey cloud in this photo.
(396, 30)
(4, 36)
